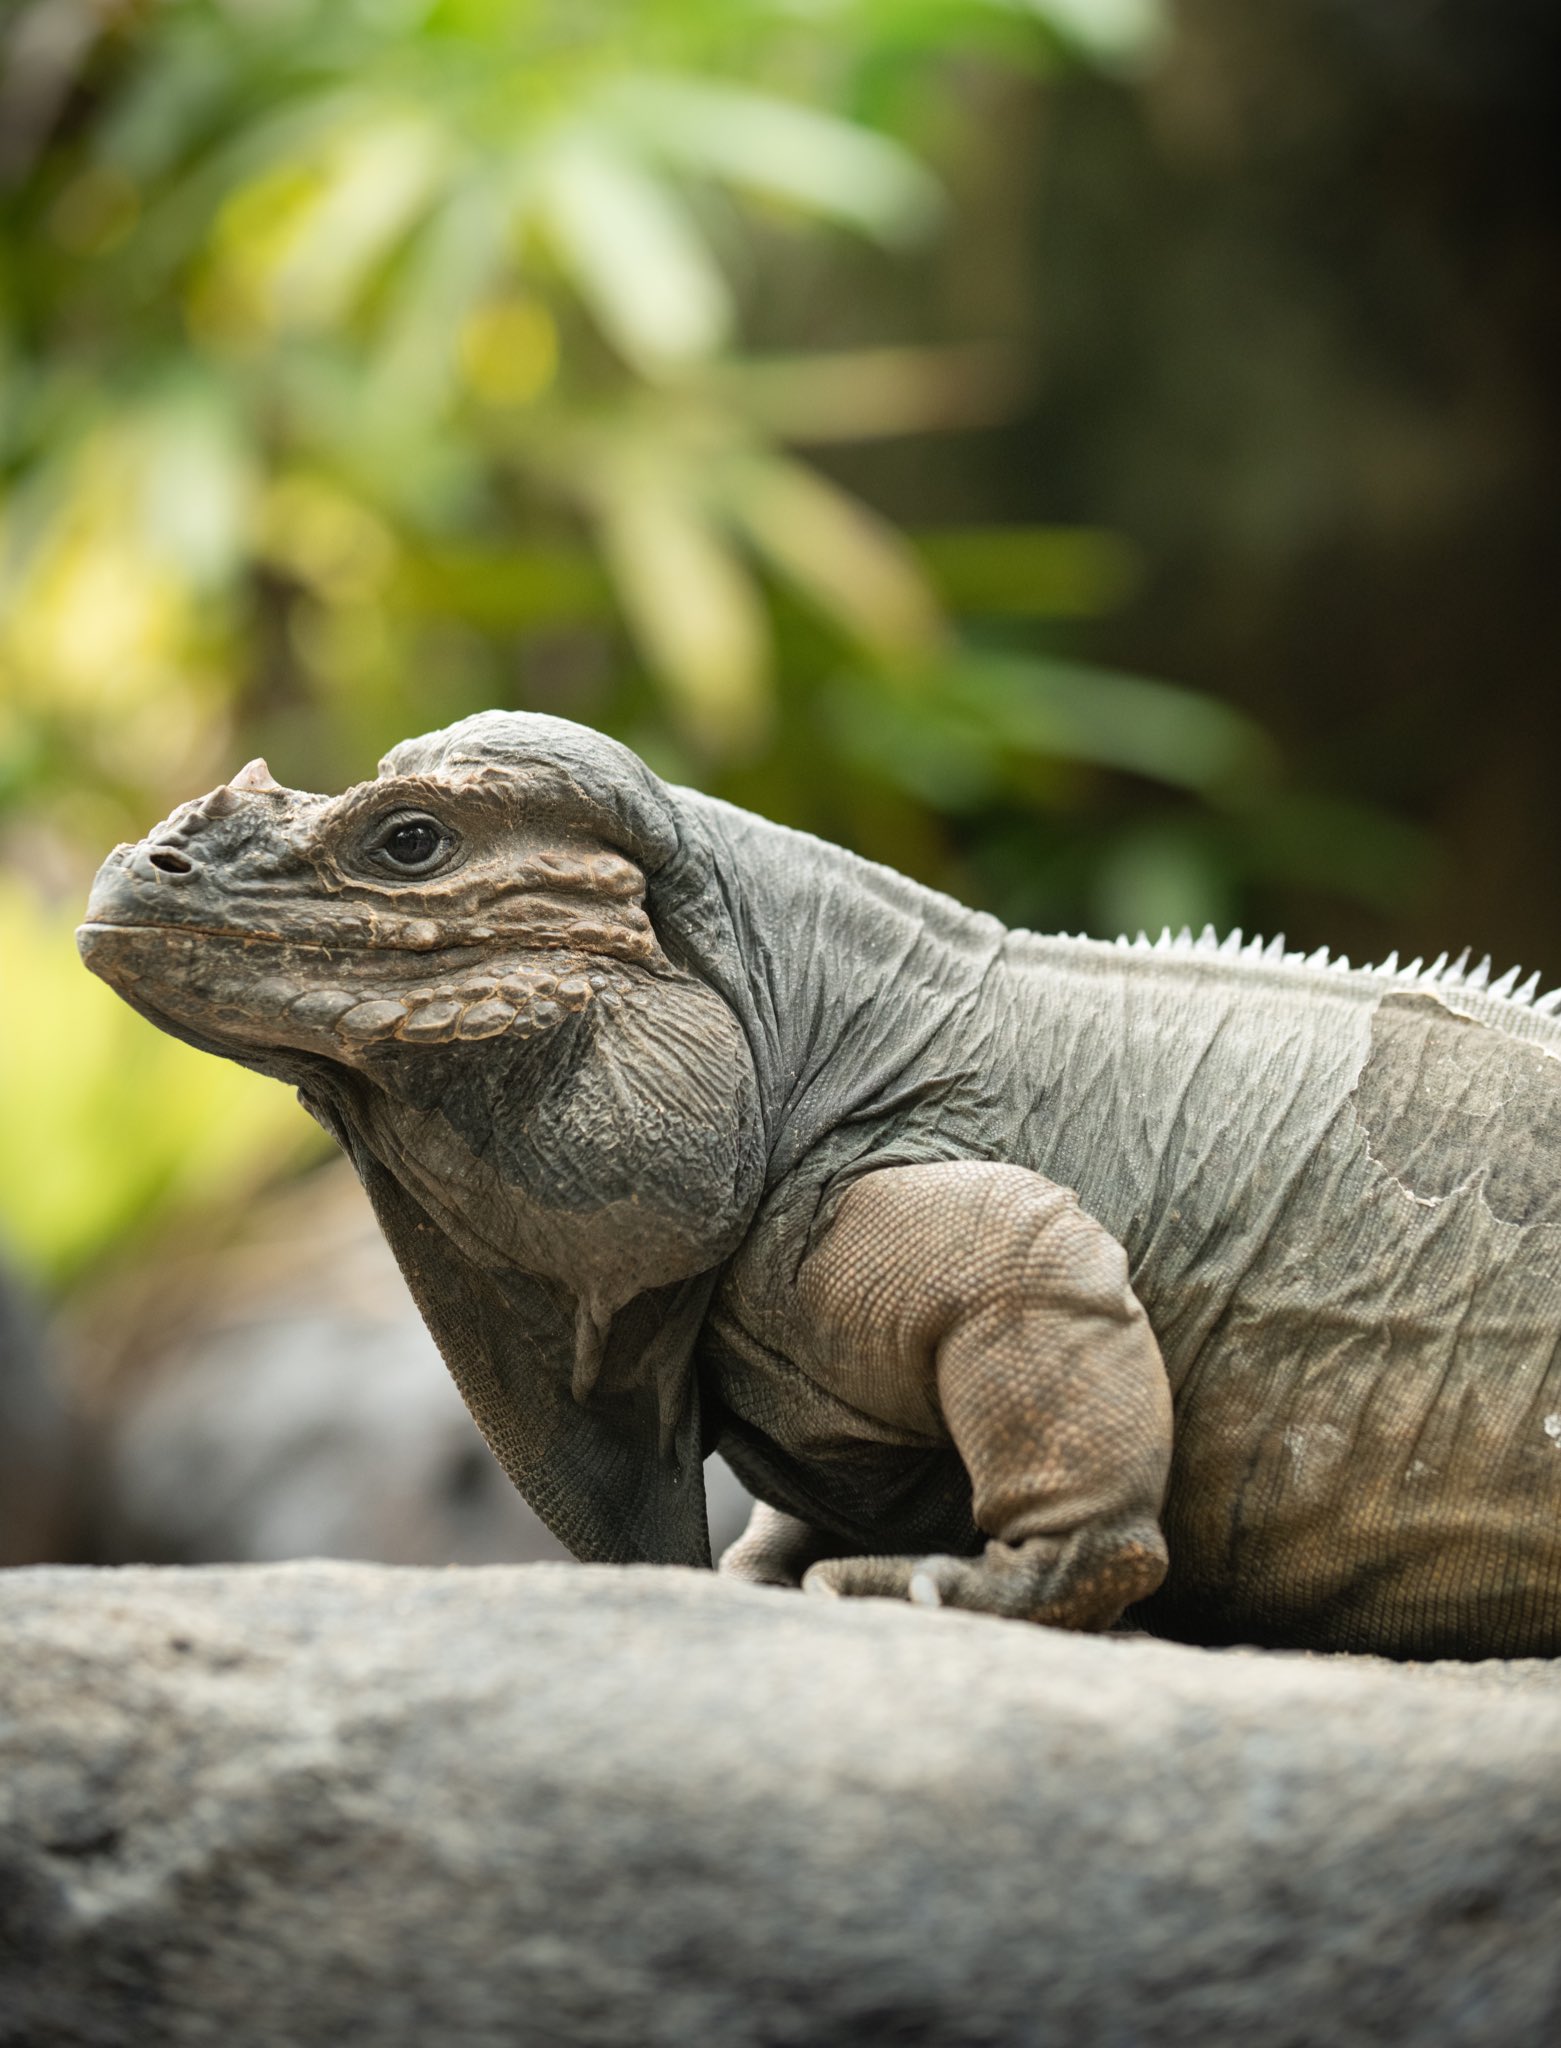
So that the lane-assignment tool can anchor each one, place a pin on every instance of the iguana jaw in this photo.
(261, 917)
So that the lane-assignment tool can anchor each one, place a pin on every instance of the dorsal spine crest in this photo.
(1443, 973)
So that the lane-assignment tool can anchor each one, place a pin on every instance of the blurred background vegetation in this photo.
(1095, 455)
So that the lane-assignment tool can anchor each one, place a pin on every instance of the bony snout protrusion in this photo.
(256, 775)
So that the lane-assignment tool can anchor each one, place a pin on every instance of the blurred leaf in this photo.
(1162, 876)
(635, 253)
(814, 159)
(1123, 33)
(97, 209)
(1349, 849)
(509, 351)
(1115, 721)
(45, 46)
(102, 627)
(502, 588)
(324, 537)
(861, 394)
(452, 266)
(1040, 572)
(113, 1127)
(198, 481)
(930, 750)
(161, 105)
(695, 611)
(954, 735)
(376, 181)
(846, 560)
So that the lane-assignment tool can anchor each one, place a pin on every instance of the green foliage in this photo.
(366, 362)
(109, 1125)
(319, 284)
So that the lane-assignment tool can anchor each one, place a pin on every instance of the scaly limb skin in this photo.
(983, 1297)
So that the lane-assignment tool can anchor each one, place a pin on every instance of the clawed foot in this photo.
(774, 1550)
(1084, 1581)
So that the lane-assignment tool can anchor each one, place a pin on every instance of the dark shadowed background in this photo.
(1100, 457)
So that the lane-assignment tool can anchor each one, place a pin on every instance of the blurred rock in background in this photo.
(40, 1471)
(279, 1397)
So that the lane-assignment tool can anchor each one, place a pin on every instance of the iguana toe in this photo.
(1084, 1581)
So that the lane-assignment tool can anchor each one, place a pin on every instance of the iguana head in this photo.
(419, 909)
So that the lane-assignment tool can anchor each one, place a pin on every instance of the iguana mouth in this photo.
(194, 931)
(353, 944)
(503, 993)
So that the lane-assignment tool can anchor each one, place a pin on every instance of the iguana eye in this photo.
(413, 844)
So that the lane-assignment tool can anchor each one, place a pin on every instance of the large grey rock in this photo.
(333, 1804)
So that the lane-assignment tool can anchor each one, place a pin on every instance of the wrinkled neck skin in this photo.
(608, 1156)
(606, 1153)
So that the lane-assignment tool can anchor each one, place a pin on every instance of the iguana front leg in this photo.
(983, 1296)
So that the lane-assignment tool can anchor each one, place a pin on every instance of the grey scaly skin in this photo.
(1035, 1275)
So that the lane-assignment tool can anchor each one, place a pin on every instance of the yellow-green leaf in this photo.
(853, 565)
(635, 253)
(693, 607)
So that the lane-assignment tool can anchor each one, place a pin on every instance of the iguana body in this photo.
(781, 1163)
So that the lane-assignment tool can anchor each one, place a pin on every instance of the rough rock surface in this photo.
(335, 1804)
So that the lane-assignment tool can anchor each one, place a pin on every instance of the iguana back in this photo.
(1340, 1195)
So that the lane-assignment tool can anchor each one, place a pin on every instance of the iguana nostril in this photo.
(170, 862)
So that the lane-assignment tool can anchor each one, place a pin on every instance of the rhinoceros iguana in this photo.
(1029, 1274)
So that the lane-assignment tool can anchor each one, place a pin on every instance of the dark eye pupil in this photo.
(409, 846)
